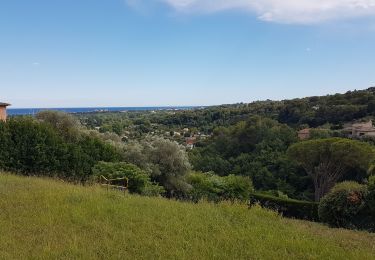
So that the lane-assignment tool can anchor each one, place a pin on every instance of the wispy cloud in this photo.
(283, 11)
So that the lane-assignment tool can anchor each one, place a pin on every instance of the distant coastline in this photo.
(33, 111)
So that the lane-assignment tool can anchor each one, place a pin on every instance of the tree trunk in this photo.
(317, 195)
(325, 177)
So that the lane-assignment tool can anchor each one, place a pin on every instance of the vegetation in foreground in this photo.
(259, 155)
(46, 219)
(246, 155)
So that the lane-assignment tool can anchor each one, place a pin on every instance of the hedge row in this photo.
(287, 207)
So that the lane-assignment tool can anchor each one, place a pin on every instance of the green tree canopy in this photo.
(327, 161)
(166, 162)
(67, 125)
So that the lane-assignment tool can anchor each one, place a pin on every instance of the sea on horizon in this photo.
(33, 111)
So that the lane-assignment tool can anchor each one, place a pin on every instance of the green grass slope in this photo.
(45, 219)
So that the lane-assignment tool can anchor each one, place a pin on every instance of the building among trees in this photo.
(304, 134)
(3, 111)
(361, 129)
(190, 142)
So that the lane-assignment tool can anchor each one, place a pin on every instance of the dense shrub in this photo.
(164, 160)
(207, 186)
(215, 188)
(29, 147)
(348, 206)
(65, 124)
(139, 181)
(287, 207)
(32, 147)
(237, 188)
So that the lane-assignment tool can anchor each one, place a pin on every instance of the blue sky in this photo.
(76, 53)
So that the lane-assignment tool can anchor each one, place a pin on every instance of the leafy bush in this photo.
(139, 181)
(165, 161)
(346, 206)
(207, 186)
(215, 188)
(237, 188)
(152, 190)
(65, 124)
(32, 147)
(29, 147)
(287, 207)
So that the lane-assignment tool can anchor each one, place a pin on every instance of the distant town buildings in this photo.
(3, 111)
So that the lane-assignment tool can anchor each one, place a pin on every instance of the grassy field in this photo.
(46, 219)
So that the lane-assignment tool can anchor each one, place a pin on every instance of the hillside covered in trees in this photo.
(243, 152)
(313, 111)
(310, 111)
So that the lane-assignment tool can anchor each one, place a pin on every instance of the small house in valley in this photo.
(3, 111)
